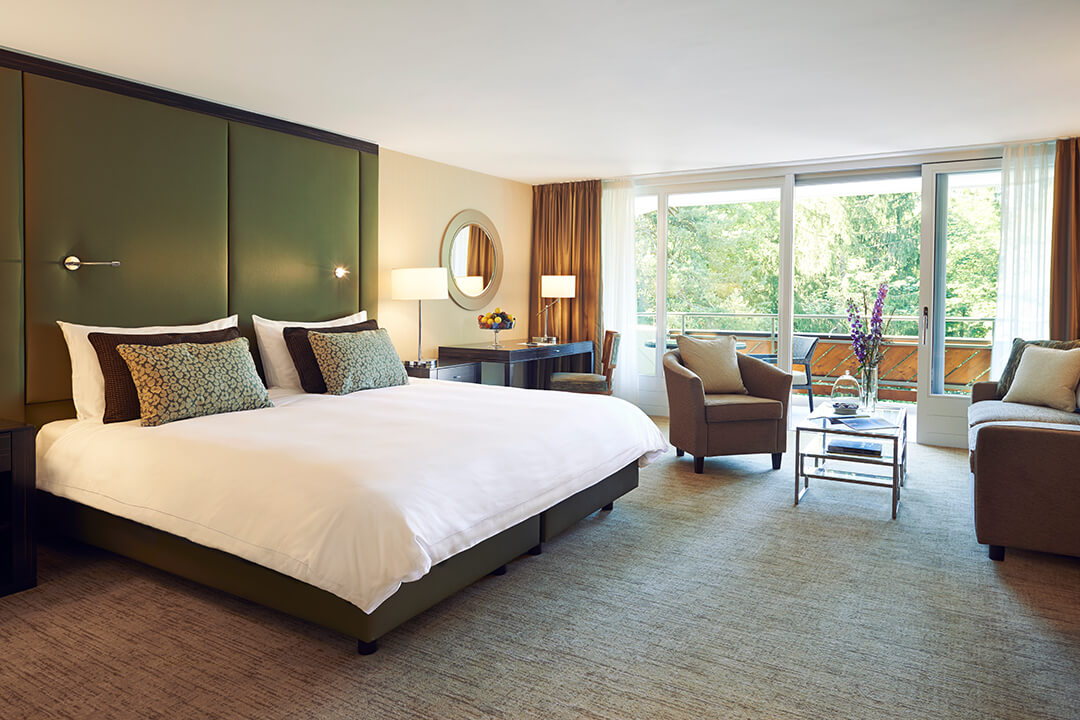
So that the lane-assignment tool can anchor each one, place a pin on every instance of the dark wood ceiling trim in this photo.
(101, 81)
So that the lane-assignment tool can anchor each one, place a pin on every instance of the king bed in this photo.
(330, 507)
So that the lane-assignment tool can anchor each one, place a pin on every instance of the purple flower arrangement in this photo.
(867, 333)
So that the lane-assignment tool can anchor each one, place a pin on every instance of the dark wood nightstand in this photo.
(18, 550)
(462, 372)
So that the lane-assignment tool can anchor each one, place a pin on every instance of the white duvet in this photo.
(354, 494)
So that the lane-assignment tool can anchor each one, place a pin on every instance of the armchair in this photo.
(721, 424)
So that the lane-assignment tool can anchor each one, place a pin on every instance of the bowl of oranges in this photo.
(496, 320)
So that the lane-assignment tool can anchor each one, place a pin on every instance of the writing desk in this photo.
(516, 357)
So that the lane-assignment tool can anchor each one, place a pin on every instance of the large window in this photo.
(850, 236)
(723, 264)
(763, 258)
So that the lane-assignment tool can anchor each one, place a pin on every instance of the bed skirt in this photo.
(223, 571)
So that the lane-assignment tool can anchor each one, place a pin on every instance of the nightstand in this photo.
(18, 550)
(462, 372)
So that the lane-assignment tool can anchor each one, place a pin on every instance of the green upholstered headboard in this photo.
(208, 216)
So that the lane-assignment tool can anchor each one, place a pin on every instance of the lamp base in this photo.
(430, 363)
(545, 340)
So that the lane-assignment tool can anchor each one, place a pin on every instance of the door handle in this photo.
(925, 325)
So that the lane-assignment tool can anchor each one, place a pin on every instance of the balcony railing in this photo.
(967, 350)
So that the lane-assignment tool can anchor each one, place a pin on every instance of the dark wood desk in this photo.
(515, 357)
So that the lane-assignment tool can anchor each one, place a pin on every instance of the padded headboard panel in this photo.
(287, 194)
(110, 177)
(11, 250)
(210, 210)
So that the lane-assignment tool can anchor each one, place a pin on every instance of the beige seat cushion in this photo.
(1046, 377)
(714, 361)
(730, 407)
(798, 377)
(989, 411)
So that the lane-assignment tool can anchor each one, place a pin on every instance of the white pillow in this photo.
(276, 361)
(1046, 377)
(87, 382)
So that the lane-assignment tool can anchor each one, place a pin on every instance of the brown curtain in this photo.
(1065, 255)
(566, 241)
(481, 260)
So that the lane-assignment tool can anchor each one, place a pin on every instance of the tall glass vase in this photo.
(868, 380)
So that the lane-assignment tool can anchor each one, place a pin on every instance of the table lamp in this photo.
(419, 284)
(555, 288)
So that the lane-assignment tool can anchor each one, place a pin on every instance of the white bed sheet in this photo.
(353, 494)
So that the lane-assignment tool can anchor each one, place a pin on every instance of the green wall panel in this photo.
(11, 246)
(369, 233)
(110, 177)
(294, 215)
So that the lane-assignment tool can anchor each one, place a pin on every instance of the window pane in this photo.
(723, 265)
(849, 238)
(965, 289)
(645, 249)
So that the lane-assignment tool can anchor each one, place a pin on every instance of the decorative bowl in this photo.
(497, 320)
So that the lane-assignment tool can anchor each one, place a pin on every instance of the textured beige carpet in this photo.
(700, 596)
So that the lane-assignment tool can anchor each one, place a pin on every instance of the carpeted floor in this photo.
(699, 596)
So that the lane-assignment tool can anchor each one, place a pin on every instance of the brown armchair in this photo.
(705, 425)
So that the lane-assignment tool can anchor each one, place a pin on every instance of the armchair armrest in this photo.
(765, 380)
(984, 391)
(686, 405)
(685, 389)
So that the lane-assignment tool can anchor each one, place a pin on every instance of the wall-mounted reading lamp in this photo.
(341, 271)
(73, 263)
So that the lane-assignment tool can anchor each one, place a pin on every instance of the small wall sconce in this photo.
(73, 263)
(341, 271)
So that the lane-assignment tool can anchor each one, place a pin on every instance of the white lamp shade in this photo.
(470, 284)
(558, 286)
(419, 284)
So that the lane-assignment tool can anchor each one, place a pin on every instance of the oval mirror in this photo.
(472, 254)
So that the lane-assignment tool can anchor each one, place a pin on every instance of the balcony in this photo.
(967, 347)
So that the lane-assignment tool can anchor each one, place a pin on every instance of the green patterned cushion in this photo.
(357, 361)
(579, 382)
(1018, 346)
(189, 380)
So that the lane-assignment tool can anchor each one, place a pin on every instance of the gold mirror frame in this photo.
(463, 218)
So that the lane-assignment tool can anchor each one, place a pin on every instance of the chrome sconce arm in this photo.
(73, 263)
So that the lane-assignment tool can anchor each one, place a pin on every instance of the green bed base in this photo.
(234, 575)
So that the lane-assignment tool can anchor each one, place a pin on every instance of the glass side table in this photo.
(814, 435)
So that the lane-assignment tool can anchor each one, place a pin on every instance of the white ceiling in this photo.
(564, 89)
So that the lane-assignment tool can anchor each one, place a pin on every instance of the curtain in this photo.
(481, 254)
(566, 241)
(1023, 285)
(619, 284)
(1065, 255)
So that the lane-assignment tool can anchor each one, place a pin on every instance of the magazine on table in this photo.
(868, 423)
(855, 447)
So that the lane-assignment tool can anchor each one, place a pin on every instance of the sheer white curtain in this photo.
(619, 289)
(1023, 286)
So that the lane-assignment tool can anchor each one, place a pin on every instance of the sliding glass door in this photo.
(961, 240)
(767, 258)
(708, 266)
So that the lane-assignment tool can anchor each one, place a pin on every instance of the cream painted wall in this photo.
(417, 198)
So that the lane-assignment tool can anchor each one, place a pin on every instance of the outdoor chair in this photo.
(802, 354)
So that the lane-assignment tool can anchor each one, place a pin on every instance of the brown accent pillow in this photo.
(121, 397)
(1018, 346)
(303, 357)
